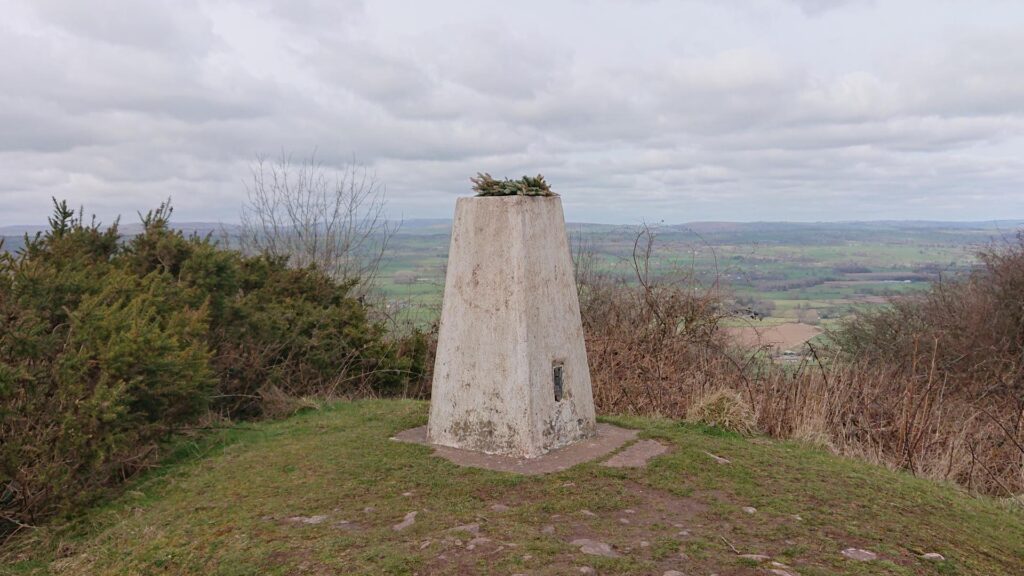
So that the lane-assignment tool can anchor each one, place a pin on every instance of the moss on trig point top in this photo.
(486, 185)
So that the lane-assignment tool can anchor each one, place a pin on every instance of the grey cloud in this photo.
(176, 26)
(118, 109)
(816, 7)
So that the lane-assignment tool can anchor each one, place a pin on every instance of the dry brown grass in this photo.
(724, 408)
(947, 404)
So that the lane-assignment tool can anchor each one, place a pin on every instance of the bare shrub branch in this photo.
(311, 214)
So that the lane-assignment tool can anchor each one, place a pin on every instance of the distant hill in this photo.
(895, 231)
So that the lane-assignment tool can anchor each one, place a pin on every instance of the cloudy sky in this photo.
(634, 110)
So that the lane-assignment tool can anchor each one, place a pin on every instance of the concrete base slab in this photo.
(637, 455)
(607, 440)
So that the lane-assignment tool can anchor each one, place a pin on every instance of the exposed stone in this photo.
(859, 555)
(409, 520)
(750, 510)
(549, 529)
(345, 525)
(473, 529)
(718, 459)
(933, 556)
(477, 542)
(673, 573)
(780, 572)
(587, 513)
(499, 508)
(587, 570)
(595, 547)
(319, 519)
(637, 455)
(756, 557)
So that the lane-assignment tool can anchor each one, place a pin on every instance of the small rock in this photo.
(500, 508)
(345, 525)
(750, 510)
(718, 459)
(798, 518)
(369, 509)
(859, 555)
(587, 570)
(756, 557)
(424, 544)
(780, 572)
(568, 484)
(587, 513)
(623, 520)
(473, 529)
(644, 543)
(933, 556)
(409, 520)
(673, 573)
(595, 547)
(319, 519)
(527, 557)
(478, 541)
(683, 533)
(629, 511)
(549, 529)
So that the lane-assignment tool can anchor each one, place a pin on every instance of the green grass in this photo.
(221, 506)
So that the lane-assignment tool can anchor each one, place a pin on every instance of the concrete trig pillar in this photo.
(511, 374)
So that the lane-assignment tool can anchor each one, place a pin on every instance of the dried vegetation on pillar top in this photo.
(486, 185)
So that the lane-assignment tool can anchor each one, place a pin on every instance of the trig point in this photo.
(511, 374)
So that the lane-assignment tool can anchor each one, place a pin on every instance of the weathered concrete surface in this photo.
(607, 440)
(637, 455)
(510, 314)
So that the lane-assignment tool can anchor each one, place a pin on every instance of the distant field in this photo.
(778, 336)
(787, 273)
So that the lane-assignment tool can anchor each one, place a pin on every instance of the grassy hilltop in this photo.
(322, 492)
